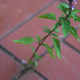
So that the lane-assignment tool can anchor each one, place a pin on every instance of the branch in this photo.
(46, 38)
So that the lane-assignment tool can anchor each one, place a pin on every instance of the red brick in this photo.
(30, 75)
(74, 42)
(78, 4)
(9, 68)
(32, 28)
(13, 12)
(68, 68)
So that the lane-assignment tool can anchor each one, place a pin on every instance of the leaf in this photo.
(57, 47)
(39, 57)
(57, 24)
(74, 18)
(17, 41)
(62, 9)
(64, 5)
(48, 16)
(46, 28)
(25, 40)
(63, 15)
(42, 39)
(61, 18)
(35, 64)
(50, 51)
(65, 26)
(47, 31)
(55, 35)
(38, 38)
(56, 30)
(77, 10)
(74, 33)
(32, 48)
(77, 18)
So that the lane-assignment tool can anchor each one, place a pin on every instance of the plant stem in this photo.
(45, 39)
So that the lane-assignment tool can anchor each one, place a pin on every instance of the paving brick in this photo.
(13, 12)
(32, 28)
(74, 42)
(65, 69)
(30, 75)
(9, 68)
(78, 4)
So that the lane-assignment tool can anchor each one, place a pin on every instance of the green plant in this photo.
(64, 21)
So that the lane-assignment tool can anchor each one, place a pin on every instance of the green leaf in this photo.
(48, 16)
(50, 51)
(77, 18)
(42, 39)
(57, 47)
(35, 64)
(74, 33)
(65, 11)
(61, 18)
(38, 38)
(17, 41)
(63, 15)
(65, 26)
(25, 40)
(32, 48)
(77, 10)
(46, 28)
(39, 57)
(56, 30)
(46, 31)
(64, 5)
(74, 18)
(56, 26)
(55, 35)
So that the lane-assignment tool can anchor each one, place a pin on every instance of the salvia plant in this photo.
(68, 12)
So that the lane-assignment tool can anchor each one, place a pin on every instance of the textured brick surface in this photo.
(78, 4)
(74, 42)
(68, 68)
(32, 28)
(12, 12)
(8, 67)
(30, 75)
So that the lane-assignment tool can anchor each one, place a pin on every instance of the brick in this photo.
(17, 11)
(65, 69)
(78, 4)
(32, 28)
(30, 75)
(74, 42)
(9, 68)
